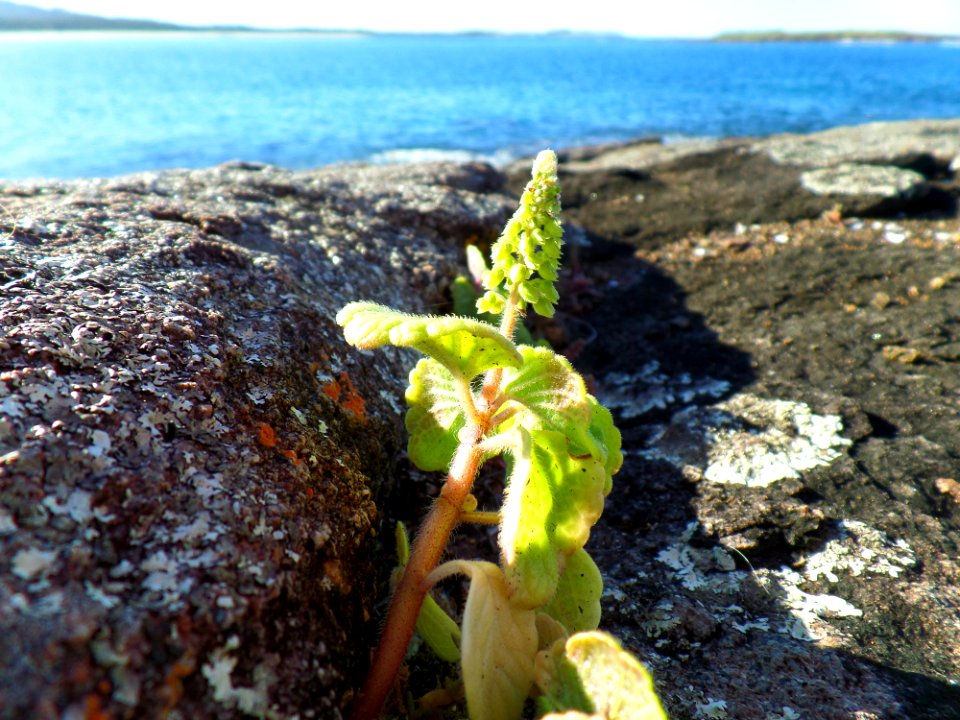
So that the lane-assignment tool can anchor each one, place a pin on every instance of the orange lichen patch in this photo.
(332, 390)
(343, 392)
(182, 668)
(267, 437)
(93, 708)
(311, 493)
(291, 456)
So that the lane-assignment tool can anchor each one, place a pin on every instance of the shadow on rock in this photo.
(736, 563)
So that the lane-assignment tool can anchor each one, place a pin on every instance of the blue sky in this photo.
(652, 18)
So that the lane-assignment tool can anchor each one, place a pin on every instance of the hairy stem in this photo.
(508, 324)
(409, 595)
(467, 404)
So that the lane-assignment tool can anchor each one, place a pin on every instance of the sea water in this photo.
(111, 103)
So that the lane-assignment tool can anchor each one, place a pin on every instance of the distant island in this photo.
(839, 36)
(16, 17)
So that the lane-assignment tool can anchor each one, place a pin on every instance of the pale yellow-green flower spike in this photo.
(527, 254)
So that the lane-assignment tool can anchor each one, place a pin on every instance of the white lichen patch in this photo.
(660, 620)
(749, 440)
(786, 713)
(712, 709)
(248, 700)
(632, 395)
(808, 613)
(701, 568)
(31, 563)
(194, 531)
(7, 524)
(710, 570)
(859, 549)
(163, 577)
(78, 506)
(105, 599)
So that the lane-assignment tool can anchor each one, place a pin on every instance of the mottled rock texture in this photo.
(190, 455)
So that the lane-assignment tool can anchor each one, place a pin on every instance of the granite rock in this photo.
(191, 458)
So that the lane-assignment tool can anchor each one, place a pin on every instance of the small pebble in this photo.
(880, 300)
(897, 353)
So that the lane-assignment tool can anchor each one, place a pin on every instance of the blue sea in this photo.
(113, 103)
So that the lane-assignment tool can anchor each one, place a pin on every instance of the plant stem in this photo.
(481, 517)
(407, 600)
(508, 324)
(447, 512)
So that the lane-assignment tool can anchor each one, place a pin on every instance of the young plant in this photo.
(475, 396)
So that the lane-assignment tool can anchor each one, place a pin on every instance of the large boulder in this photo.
(191, 458)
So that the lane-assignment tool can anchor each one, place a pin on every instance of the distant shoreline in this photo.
(48, 33)
(91, 35)
(851, 36)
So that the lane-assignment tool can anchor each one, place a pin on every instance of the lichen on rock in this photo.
(190, 457)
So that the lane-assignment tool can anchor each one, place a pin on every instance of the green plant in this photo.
(475, 396)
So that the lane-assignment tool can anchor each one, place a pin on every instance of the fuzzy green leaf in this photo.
(577, 601)
(550, 395)
(553, 498)
(434, 417)
(464, 346)
(606, 436)
(613, 685)
(498, 643)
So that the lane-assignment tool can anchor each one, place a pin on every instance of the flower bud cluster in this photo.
(526, 257)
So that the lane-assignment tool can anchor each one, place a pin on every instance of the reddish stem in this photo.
(408, 598)
(432, 538)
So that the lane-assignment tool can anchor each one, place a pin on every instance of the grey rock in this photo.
(882, 142)
(859, 179)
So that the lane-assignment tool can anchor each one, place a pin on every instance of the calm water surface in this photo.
(116, 103)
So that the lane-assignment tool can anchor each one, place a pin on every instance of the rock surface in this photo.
(190, 455)
(646, 192)
(196, 472)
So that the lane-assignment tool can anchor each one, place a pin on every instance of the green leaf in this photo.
(606, 435)
(498, 644)
(434, 417)
(551, 395)
(464, 346)
(613, 682)
(567, 450)
(553, 498)
(562, 692)
(576, 603)
(464, 295)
